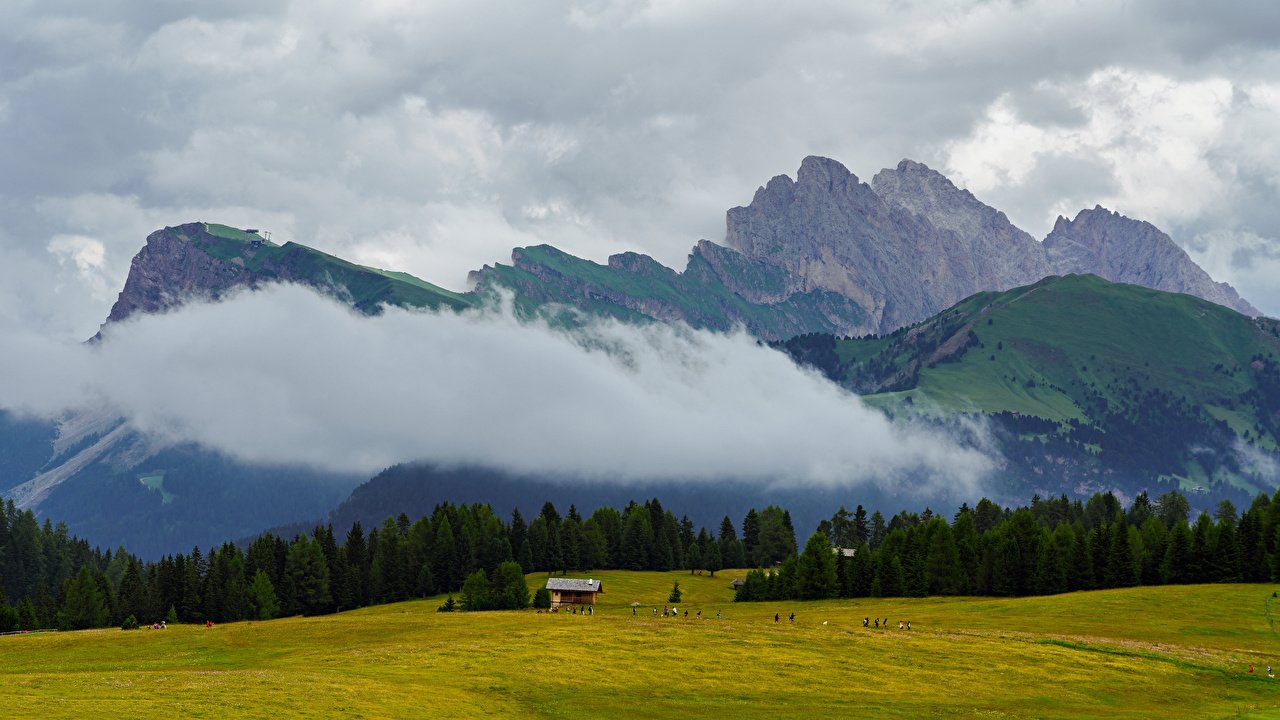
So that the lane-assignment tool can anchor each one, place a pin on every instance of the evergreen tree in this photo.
(943, 575)
(878, 529)
(84, 606)
(816, 570)
(307, 578)
(693, 557)
(445, 565)
(475, 591)
(751, 533)
(713, 561)
(357, 554)
(508, 589)
(675, 595)
(861, 530)
(1175, 568)
(262, 597)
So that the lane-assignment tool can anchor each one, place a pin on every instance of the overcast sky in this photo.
(434, 136)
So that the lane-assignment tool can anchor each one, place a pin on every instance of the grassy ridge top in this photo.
(1142, 652)
(366, 287)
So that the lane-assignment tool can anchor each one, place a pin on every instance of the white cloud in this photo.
(390, 129)
(1154, 132)
(283, 375)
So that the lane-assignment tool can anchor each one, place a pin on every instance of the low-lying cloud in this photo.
(286, 376)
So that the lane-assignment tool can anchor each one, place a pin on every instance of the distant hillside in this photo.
(829, 253)
(1095, 384)
(206, 261)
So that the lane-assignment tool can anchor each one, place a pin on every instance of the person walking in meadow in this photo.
(775, 617)
(899, 624)
(908, 624)
(717, 614)
(865, 621)
(877, 623)
(792, 617)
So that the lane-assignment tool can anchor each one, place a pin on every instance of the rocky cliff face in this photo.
(828, 253)
(903, 250)
(1121, 249)
(1003, 256)
(170, 270)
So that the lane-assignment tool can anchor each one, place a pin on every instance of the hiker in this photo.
(633, 612)
(717, 614)
(1251, 669)
(899, 624)
(877, 623)
(655, 611)
(699, 614)
(865, 621)
(775, 617)
(686, 614)
(908, 624)
(792, 617)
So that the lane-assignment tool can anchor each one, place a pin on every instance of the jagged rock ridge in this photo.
(829, 253)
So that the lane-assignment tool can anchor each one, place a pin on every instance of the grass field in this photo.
(1146, 652)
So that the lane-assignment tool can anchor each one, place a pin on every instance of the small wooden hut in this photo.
(571, 591)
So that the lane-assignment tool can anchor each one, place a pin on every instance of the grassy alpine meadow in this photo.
(1176, 651)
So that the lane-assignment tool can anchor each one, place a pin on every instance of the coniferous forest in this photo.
(49, 579)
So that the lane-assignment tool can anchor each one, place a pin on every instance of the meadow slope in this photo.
(1145, 652)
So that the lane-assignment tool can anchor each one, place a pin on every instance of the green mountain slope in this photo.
(636, 287)
(1105, 380)
(367, 288)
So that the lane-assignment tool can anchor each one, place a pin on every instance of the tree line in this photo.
(55, 580)
(1054, 545)
(50, 579)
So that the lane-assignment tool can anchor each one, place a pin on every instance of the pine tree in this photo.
(84, 606)
(1175, 568)
(675, 595)
(693, 557)
(816, 570)
(262, 597)
(713, 561)
(509, 590)
(307, 578)
(942, 563)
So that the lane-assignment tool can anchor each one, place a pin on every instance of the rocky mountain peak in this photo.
(822, 172)
(170, 269)
(1122, 249)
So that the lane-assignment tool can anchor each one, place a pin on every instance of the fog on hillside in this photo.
(286, 376)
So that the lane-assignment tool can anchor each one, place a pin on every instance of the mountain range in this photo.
(1103, 357)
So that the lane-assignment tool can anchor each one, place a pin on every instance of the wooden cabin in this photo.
(570, 591)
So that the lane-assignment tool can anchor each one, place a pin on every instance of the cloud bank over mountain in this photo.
(283, 375)
(433, 137)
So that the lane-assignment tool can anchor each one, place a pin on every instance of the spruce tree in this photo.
(262, 597)
(84, 606)
(816, 570)
(713, 562)
(307, 578)
(693, 557)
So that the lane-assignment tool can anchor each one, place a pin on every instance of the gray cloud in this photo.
(284, 375)
(435, 136)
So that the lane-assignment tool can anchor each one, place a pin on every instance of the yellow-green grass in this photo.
(1146, 652)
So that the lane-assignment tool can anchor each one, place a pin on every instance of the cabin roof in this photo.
(573, 584)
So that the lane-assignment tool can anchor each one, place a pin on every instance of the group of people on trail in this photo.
(902, 624)
(675, 612)
(778, 618)
(588, 610)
